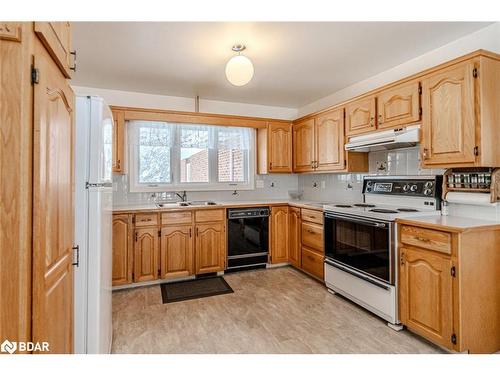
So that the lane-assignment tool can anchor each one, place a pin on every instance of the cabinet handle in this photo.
(197, 232)
(422, 239)
(380, 119)
(189, 232)
(310, 231)
(73, 68)
(118, 164)
(425, 153)
(371, 121)
(271, 165)
(135, 236)
(77, 263)
(402, 259)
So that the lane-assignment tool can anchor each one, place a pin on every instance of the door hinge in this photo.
(35, 75)
(475, 72)
(345, 163)
(453, 271)
(133, 219)
(420, 90)
(420, 111)
(159, 233)
(135, 236)
(454, 339)
(476, 150)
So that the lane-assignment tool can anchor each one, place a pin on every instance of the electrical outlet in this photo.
(381, 166)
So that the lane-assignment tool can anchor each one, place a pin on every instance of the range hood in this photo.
(385, 140)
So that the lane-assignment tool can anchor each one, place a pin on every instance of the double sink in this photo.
(185, 204)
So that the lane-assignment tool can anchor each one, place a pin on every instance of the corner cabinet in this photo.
(122, 249)
(279, 238)
(448, 284)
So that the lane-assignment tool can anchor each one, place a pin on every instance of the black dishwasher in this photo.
(248, 238)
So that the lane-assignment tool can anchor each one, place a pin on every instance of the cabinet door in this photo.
(303, 146)
(425, 294)
(329, 136)
(294, 236)
(398, 106)
(146, 254)
(279, 147)
(448, 123)
(210, 245)
(279, 234)
(53, 229)
(360, 116)
(118, 141)
(176, 251)
(122, 249)
(56, 37)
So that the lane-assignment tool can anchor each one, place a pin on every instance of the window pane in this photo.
(154, 154)
(231, 155)
(194, 154)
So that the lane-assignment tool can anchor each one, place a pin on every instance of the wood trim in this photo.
(440, 227)
(479, 52)
(146, 114)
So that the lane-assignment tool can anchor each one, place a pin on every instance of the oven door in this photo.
(361, 244)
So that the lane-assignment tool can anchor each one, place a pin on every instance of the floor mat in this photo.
(192, 289)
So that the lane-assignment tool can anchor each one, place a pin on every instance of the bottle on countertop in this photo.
(445, 209)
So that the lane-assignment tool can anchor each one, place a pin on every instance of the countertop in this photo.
(222, 204)
(452, 223)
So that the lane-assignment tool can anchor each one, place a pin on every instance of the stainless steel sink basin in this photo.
(185, 204)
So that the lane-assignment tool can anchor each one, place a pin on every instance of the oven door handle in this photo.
(376, 224)
(356, 274)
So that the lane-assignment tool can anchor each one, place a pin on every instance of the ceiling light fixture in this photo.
(239, 69)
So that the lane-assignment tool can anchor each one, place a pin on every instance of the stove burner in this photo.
(343, 205)
(384, 211)
(364, 205)
(407, 210)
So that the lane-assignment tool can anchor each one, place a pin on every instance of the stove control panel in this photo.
(428, 187)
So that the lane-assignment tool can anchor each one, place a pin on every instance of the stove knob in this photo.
(427, 191)
(428, 184)
(413, 188)
(406, 187)
(262, 213)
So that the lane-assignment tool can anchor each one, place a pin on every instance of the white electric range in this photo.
(361, 239)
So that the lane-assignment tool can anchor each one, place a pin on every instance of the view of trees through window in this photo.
(184, 154)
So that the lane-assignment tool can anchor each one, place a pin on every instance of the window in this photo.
(169, 156)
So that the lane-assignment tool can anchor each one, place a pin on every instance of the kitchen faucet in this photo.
(183, 196)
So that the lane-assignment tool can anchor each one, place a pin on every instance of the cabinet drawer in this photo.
(209, 215)
(174, 218)
(312, 236)
(312, 216)
(312, 263)
(145, 220)
(426, 238)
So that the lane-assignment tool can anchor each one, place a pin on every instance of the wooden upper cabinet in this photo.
(426, 294)
(56, 37)
(118, 141)
(303, 146)
(279, 147)
(122, 249)
(176, 252)
(448, 122)
(146, 254)
(329, 137)
(53, 215)
(398, 106)
(294, 236)
(210, 248)
(279, 234)
(360, 116)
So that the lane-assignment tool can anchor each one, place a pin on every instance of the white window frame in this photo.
(136, 187)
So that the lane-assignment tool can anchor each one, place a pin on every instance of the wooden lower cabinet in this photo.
(425, 294)
(294, 252)
(279, 239)
(312, 262)
(146, 254)
(122, 249)
(176, 251)
(210, 247)
(452, 298)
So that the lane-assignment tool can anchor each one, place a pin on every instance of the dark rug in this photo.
(191, 289)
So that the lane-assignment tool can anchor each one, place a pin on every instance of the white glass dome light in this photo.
(239, 69)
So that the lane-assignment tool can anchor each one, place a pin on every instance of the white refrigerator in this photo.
(93, 226)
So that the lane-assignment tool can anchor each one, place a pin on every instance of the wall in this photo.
(176, 103)
(274, 187)
(348, 187)
(487, 38)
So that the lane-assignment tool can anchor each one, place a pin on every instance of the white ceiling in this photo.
(295, 63)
